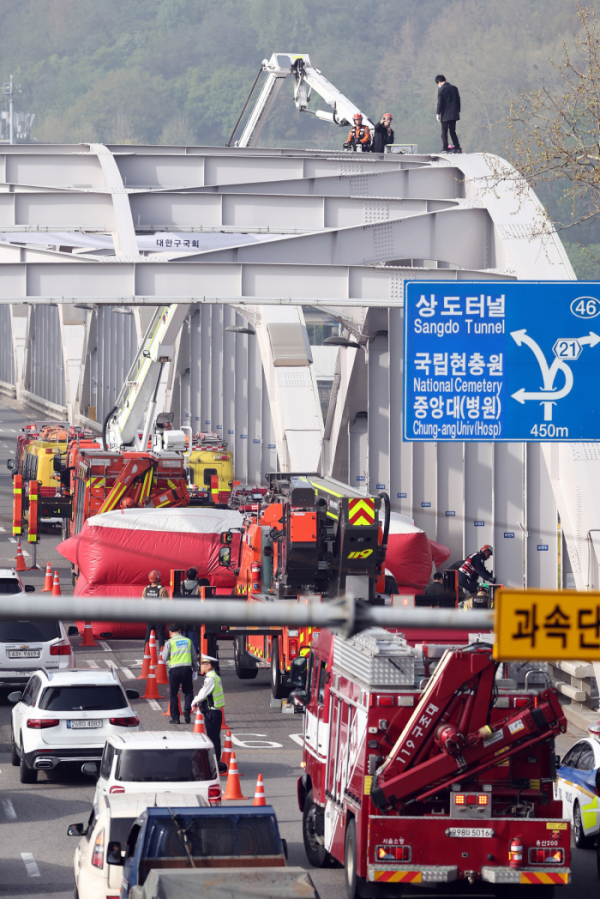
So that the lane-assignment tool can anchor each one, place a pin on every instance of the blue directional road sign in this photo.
(497, 360)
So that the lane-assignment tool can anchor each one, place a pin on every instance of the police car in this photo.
(578, 786)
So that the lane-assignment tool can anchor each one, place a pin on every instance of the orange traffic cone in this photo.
(224, 725)
(151, 687)
(88, 635)
(56, 591)
(153, 653)
(161, 672)
(146, 663)
(227, 750)
(47, 588)
(168, 712)
(259, 795)
(233, 789)
(21, 566)
(199, 727)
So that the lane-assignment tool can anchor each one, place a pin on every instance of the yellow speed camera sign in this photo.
(540, 624)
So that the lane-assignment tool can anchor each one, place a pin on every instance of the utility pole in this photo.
(10, 90)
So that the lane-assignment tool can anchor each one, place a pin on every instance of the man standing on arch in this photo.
(448, 113)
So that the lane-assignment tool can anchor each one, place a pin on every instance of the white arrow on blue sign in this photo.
(501, 361)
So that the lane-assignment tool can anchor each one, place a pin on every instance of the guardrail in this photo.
(577, 681)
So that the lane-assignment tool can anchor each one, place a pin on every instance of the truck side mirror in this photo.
(10, 464)
(299, 697)
(298, 670)
(225, 556)
(76, 830)
(29, 588)
(226, 538)
(113, 853)
(90, 769)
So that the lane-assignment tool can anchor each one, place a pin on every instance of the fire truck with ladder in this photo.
(311, 539)
(453, 782)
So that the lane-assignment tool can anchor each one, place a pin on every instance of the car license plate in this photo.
(481, 832)
(23, 653)
(90, 722)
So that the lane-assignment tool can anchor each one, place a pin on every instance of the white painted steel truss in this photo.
(93, 238)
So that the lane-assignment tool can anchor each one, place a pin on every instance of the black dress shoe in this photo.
(174, 721)
(187, 719)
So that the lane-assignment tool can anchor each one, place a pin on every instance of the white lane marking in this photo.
(111, 664)
(137, 663)
(255, 744)
(30, 864)
(297, 738)
(129, 675)
(3, 530)
(104, 646)
(154, 705)
(91, 663)
(8, 809)
(13, 539)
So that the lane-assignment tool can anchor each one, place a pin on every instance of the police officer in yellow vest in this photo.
(211, 700)
(181, 659)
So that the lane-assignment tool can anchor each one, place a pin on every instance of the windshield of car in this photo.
(83, 698)
(9, 585)
(141, 765)
(28, 631)
(208, 836)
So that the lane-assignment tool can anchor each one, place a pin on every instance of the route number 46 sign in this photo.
(502, 360)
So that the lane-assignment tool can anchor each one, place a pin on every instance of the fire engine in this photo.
(106, 480)
(310, 539)
(453, 782)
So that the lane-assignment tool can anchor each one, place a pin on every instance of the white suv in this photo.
(67, 716)
(161, 760)
(26, 645)
(111, 820)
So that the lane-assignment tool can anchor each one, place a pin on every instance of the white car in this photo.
(26, 645)
(111, 820)
(577, 784)
(166, 760)
(67, 716)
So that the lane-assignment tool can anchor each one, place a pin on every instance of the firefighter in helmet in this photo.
(481, 600)
(474, 568)
(155, 591)
(359, 134)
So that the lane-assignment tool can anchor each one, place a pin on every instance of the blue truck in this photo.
(189, 837)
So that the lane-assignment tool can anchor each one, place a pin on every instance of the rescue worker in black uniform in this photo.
(359, 135)
(155, 591)
(384, 134)
(474, 568)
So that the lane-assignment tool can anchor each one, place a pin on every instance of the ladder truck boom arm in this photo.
(448, 737)
(140, 387)
(307, 78)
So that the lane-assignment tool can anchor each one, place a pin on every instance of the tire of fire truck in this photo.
(239, 654)
(357, 887)
(579, 837)
(315, 851)
(278, 689)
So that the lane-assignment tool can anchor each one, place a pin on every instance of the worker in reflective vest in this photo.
(211, 700)
(180, 657)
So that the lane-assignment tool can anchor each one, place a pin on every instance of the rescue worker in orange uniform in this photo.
(358, 135)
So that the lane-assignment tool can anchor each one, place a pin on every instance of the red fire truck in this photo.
(311, 539)
(450, 783)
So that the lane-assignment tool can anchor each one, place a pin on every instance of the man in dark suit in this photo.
(448, 113)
